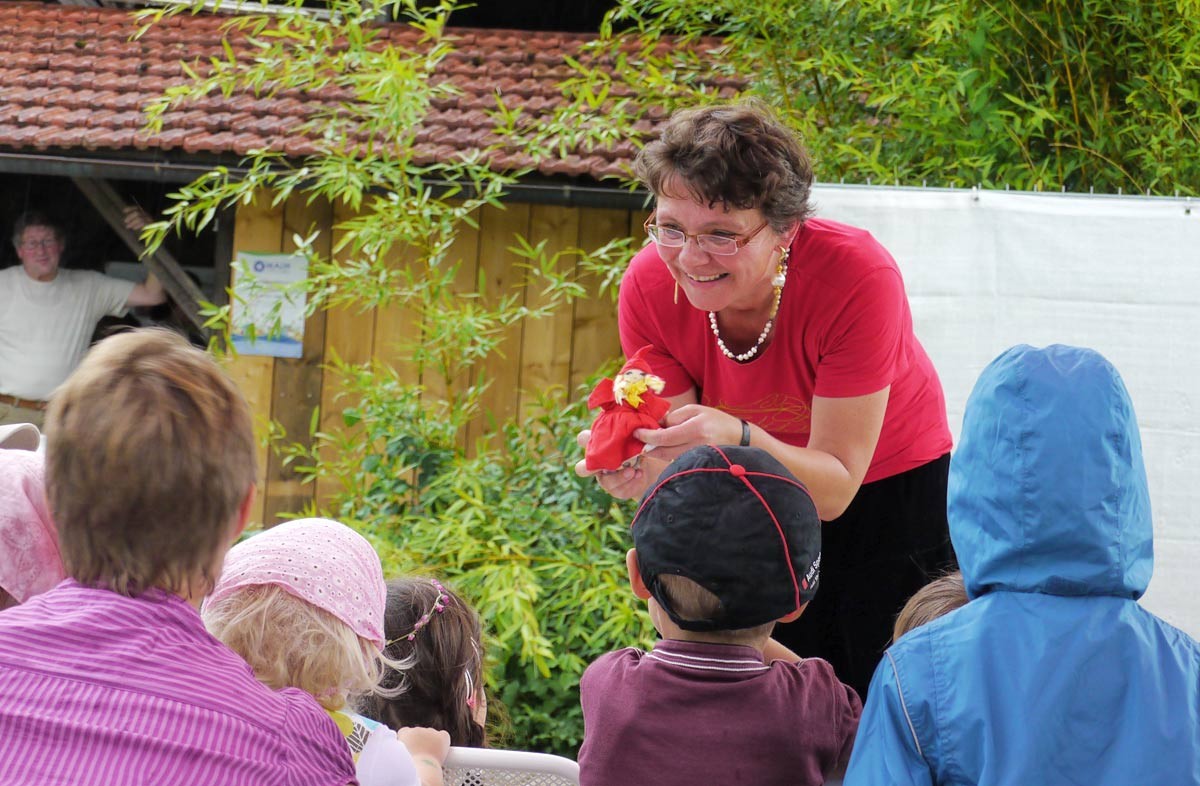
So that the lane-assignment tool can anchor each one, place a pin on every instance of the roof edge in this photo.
(566, 192)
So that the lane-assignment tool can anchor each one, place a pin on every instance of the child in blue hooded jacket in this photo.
(1053, 674)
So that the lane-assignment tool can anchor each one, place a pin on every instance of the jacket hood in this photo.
(1047, 490)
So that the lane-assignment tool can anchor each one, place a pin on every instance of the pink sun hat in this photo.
(30, 561)
(320, 561)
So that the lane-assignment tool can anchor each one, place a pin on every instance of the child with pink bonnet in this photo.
(303, 603)
(30, 562)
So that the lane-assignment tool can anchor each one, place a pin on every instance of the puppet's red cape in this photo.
(612, 442)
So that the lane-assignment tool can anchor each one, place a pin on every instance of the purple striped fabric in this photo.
(101, 689)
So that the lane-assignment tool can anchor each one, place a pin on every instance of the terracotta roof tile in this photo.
(170, 138)
(26, 135)
(108, 81)
(132, 120)
(74, 77)
(75, 136)
(100, 118)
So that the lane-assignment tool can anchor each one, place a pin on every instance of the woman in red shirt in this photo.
(794, 335)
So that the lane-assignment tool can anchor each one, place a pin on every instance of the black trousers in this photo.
(890, 542)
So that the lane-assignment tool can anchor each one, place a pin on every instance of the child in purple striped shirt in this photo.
(303, 603)
(109, 678)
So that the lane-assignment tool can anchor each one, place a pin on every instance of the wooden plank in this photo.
(257, 227)
(349, 335)
(464, 252)
(253, 376)
(637, 231)
(546, 343)
(398, 324)
(595, 339)
(500, 276)
(298, 381)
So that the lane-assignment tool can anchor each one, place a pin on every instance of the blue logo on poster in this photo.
(263, 264)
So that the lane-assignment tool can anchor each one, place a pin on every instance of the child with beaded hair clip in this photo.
(437, 635)
(303, 603)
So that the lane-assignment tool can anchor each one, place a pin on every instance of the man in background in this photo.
(47, 315)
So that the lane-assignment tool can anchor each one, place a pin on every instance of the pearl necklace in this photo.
(779, 279)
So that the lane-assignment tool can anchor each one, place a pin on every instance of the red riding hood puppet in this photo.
(628, 401)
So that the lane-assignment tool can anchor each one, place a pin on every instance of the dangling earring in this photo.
(781, 269)
(677, 292)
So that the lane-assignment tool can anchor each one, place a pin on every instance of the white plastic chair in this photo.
(493, 767)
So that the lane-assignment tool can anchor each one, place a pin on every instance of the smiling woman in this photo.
(796, 337)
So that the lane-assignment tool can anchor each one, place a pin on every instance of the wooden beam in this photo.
(298, 381)
(595, 340)
(162, 264)
(258, 227)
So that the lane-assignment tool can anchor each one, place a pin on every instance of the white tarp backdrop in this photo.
(988, 269)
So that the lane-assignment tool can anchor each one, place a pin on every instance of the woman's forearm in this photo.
(842, 440)
(830, 482)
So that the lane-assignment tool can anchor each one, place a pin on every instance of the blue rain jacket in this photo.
(1053, 674)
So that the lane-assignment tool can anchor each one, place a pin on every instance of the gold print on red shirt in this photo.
(777, 413)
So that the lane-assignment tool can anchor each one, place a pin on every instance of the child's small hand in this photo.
(424, 741)
(428, 748)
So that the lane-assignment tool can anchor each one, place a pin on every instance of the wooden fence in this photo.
(561, 350)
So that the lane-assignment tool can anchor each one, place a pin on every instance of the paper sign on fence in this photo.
(263, 300)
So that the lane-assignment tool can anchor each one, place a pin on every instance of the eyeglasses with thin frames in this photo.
(32, 244)
(721, 245)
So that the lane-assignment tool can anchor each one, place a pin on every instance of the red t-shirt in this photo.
(843, 329)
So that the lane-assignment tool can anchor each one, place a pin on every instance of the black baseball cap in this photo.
(738, 523)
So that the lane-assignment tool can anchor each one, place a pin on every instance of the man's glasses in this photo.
(32, 244)
(722, 245)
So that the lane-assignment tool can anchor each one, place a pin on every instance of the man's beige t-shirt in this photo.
(45, 326)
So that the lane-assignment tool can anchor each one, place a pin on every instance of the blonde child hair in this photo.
(303, 603)
(291, 643)
(940, 596)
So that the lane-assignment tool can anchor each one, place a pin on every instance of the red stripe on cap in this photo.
(743, 476)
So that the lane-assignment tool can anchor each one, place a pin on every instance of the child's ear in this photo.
(243, 513)
(635, 575)
(795, 615)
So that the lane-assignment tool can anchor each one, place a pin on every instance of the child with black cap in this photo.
(726, 543)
